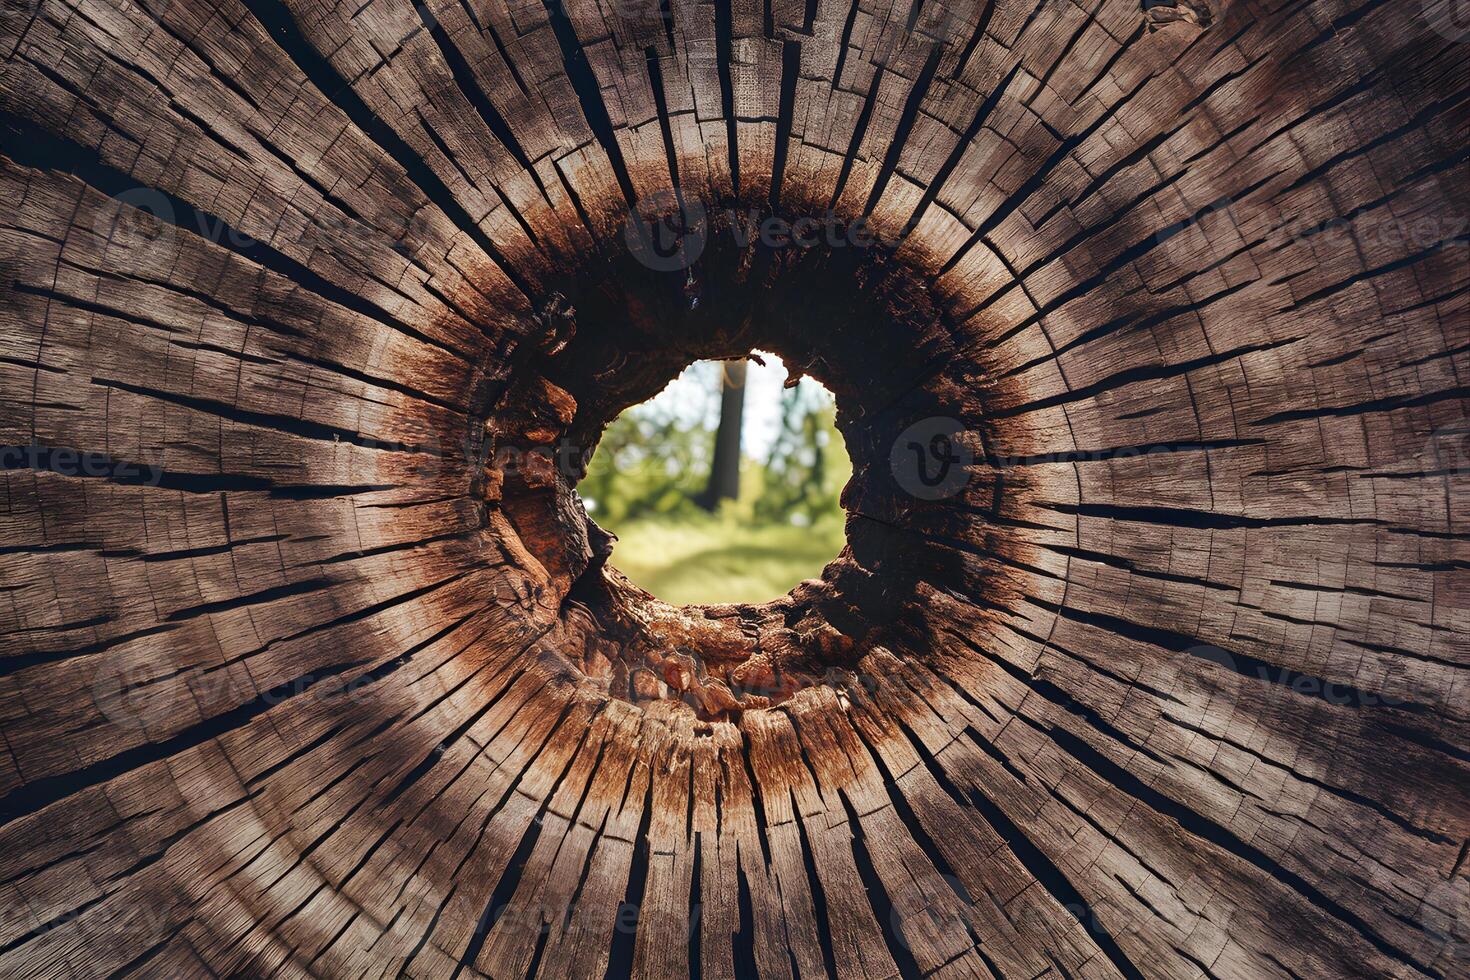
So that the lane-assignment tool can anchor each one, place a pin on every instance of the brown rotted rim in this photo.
(845, 309)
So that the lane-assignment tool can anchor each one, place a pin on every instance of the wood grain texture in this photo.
(311, 663)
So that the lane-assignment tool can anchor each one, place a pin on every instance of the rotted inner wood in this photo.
(312, 663)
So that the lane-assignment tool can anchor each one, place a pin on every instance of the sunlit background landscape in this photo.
(701, 524)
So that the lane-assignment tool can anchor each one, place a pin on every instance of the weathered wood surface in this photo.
(311, 665)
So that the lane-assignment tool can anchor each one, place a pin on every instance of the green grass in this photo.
(722, 559)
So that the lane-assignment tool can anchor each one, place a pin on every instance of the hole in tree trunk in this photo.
(853, 315)
(725, 486)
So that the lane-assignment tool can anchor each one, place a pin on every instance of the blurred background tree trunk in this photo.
(724, 471)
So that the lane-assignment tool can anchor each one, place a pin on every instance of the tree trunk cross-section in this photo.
(1149, 326)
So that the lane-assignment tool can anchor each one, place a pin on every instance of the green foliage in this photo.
(804, 474)
(655, 457)
(654, 460)
(646, 466)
